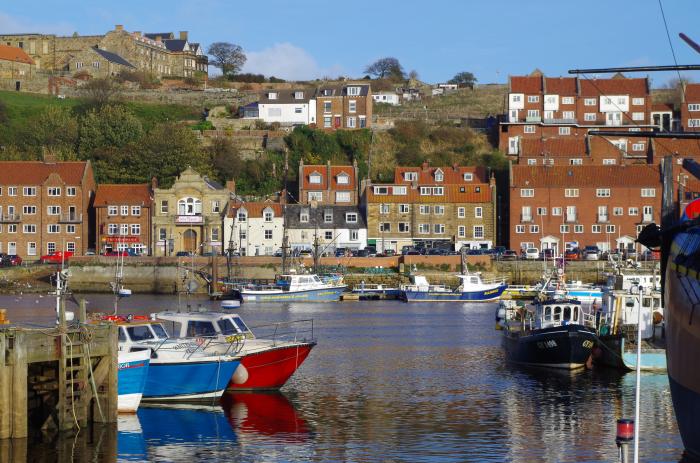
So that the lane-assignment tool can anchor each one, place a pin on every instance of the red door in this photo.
(337, 122)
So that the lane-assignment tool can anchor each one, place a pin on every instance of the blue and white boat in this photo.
(471, 289)
(131, 376)
(294, 287)
(378, 290)
(180, 369)
(584, 293)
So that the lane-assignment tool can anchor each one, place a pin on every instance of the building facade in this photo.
(15, 66)
(254, 228)
(189, 215)
(435, 206)
(347, 106)
(331, 226)
(690, 108)
(564, 207)
(123, 218)
(288, 107)
(45, 207)
(328, 185)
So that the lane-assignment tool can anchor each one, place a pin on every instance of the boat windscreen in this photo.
(159, 331)
(200, 328)
(226, 326)
(241, 326)
(140, 333)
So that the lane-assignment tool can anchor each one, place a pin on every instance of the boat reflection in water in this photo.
(264, 414)
(190, 432)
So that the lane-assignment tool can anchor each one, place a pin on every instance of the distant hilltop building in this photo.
(160, 54)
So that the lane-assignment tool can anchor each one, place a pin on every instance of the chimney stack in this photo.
(119, 27)
(137, 33)
(231, 186)
(183, 35)
(159, 38)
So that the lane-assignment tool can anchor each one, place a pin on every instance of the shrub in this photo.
(203, 125)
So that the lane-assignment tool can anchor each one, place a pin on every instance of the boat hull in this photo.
(132, 373)
(683, 339)
(270, 368)
(614, 353)
(310, 295)
(566, 347)
(485, 295)
(188, 380)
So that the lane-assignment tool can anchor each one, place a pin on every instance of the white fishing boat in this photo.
(294, 287)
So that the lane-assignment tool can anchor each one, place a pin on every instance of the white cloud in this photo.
(14, 25)
(287, 61)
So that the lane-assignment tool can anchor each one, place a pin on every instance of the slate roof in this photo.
(15, 54)
(286, 96)
(36, 172)
(131, 194)
(637, 175)
(316, 217)
(113, 57)
(175, 44)
(341, 90)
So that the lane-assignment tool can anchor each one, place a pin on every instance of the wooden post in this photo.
(82, 311)
(19, 387)
(106, 378)
(5, 397)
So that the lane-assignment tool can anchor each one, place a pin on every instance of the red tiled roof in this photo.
(255, 209)
(554, 147)
(36, 172)
(692, 93)
(451, 175)
(15, 54)
(526, 84)
(565, 86)
(614, 86)
(585, 176)
(453, 194)
(132, 194)
(676, 147)
(322, 170)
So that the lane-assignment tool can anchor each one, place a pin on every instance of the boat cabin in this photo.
(204, 324)
(559, 312)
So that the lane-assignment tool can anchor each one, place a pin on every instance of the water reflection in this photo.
(262, 415)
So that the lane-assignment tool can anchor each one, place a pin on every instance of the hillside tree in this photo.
(388, 67)
(228, 57)
(464, 79)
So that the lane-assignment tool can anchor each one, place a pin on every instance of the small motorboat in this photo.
(294, 287)
(231, 299)
(132, 373)
(471, 289)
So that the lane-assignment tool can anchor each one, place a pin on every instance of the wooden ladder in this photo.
(73, 384)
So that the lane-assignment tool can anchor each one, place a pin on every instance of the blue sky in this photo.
(313, 38)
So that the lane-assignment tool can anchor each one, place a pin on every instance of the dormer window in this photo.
(315, 178)
(343, 179)
(410, 176)
(439, 176)
(272, 95)
(268, 214)
(328, 216)
(468, 176)
(304, 216)
(242, 215)
(298, 95)
(327, 92)
(353, 91)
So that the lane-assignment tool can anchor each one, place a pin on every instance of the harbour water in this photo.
(389, 382)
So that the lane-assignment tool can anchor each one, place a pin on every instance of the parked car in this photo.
(497, 251)
(306, 253)
(387, 253)
(547, 253)
(630, 253)
(56, 257)
(531, 253)
(509, 254)
(650, 254)
(362, 253)
(11, 260)
(372, 251)
(475, 252)
(591, 253)
(117, 254)
(90, 252)
(278, 253)
(183, 254)
(341, 252)
(572, 254)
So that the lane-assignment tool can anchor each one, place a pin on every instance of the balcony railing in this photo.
(603, 218)
(560, 121)
(524, 218)
(646, 218)
(10, 218)
(571, 218)
(71, 217)
(533, 119)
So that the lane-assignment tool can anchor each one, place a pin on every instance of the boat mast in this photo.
(283, 198)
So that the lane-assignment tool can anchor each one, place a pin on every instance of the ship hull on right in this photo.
(682, 313)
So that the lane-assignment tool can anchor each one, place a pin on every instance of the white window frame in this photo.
(527, 192)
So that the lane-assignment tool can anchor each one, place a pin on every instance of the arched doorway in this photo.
(550, 242)
(189, 240)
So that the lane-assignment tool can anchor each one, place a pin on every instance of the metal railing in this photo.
(10, 218)
(70, 218)
(603, 218)
(292, 331)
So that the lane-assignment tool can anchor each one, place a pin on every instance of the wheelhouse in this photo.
(203, 325)
(563, 312)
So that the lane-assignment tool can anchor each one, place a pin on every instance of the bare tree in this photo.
(228, 57)
(101, 91)
(386, 67)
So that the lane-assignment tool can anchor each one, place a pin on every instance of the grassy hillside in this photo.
(21, 107)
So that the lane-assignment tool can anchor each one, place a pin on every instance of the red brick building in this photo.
(690, 108)
(123, 218)
(327, 184)
(44, 207)
(546, 109)
(347, 106)
(557, 206)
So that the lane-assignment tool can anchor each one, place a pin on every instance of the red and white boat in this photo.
(267, 363)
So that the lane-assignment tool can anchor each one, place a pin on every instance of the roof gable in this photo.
(15, 54)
